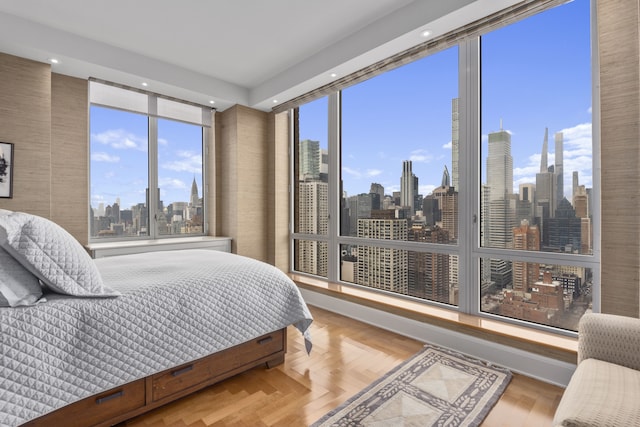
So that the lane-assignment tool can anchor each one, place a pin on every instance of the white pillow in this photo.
(17, 285)
(5, 212)
(52, 254)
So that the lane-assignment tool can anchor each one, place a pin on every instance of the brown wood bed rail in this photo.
(132, 399)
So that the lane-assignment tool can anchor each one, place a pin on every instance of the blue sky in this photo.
(535, 74)
(119, 152)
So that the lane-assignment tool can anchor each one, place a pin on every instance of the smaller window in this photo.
(147, 168)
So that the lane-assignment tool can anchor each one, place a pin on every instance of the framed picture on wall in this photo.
(6, 170)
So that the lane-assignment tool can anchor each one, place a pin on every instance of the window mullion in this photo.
(468, 153)
(333, 255)
(153, 196)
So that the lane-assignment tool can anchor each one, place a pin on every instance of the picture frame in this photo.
(6, 170)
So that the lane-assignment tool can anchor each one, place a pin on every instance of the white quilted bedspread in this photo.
(175, 307)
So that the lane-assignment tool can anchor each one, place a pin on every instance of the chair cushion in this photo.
(600, 394)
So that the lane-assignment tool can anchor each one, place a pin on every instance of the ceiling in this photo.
(256, 53)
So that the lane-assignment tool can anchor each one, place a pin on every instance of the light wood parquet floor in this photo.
(347, 355)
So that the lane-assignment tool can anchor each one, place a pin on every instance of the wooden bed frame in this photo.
(132, 399)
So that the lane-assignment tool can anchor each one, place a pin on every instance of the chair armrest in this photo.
(608, 337)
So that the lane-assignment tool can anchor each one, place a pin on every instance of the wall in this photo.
(70, 155)
(618, 47)
(45, 116)
(278, 246)
(242, 180)
(25, 121)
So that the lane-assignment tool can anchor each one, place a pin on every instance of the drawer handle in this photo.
(265, 340)
(181, 370)
(109, 397)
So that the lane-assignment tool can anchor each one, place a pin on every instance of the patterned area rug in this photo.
(436, 387)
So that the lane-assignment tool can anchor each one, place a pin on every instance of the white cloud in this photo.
(187, 162)
(425, 190)
(448, 145)
(391, 188)
(172, 183)
(373, 172)
(354, 173)
(578, 137)
(104, 157)
(120, 139)
(421, 156)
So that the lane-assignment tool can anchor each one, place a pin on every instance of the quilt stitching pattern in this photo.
(70, 348)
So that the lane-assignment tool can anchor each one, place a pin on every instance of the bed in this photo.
(164, 325)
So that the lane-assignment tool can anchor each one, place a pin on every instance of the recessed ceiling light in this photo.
(334, 75)
(275, 101)
(426, 33)
(145, 84)
(212, 102)
(54, 61)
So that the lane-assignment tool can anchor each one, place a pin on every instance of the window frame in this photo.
(468, 249)
(152, 158)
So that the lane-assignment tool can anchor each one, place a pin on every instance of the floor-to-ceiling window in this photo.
(398, 175)
(537, 168)
(311, 207)
(465, 178)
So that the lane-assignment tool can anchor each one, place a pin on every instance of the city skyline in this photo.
(528, 202)
(119, 156)
(516, 96)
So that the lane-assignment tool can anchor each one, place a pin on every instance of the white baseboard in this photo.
(530, 364)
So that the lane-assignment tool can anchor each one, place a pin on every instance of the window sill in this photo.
(103, 249)
(548, 344)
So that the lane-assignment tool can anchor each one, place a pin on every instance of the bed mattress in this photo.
(175, 307)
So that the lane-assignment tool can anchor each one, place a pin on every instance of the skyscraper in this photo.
(575, 186)
(377, 189)
(526, 203)
(559, 168)
(446, 178)
(194, 199)
(407, 186)
(546, 186)
(382, 268)
(309, 160)
(501, 203)
(502, 216)
(313, 218)
(455, 143)
(525, 274)
(499, 165)
(580, 202)
(565, 229)
(428, 272)
(447, 199)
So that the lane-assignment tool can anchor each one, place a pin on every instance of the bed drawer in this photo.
(216, 365)
(98, 408)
